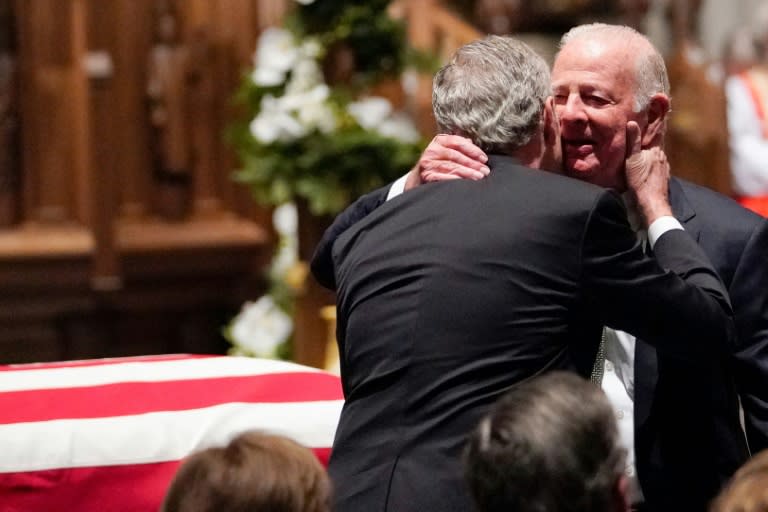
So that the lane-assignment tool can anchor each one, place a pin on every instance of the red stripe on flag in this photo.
(129, 488)
(102, 362)
(127, 398)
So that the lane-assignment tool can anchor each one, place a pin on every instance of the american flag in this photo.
(107, 435)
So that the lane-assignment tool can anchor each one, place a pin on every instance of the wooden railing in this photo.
(435, 29)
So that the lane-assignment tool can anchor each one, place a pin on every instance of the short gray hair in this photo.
(550, 443)
(492, 91)
(650, 71)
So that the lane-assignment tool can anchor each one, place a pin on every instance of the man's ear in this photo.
(657, 112)
(551, 125)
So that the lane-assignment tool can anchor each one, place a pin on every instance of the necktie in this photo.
(599, 365)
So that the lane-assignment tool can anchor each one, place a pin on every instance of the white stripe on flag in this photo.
(144, 371)
(159, 436)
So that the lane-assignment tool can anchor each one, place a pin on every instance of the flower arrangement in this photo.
(314, 130)
(263, 328)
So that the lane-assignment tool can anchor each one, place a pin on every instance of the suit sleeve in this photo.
(675, 301)
(749, 294)
(322, 260)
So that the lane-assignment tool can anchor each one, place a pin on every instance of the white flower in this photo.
(267, 77)
(296, 101)
(311, 109)
(275, 123)
(293, 116)
(286, 258)
(285, 218)
(306, 2)
(375, 113)
(399, 127)
(275, 56)
(370, 112)
(306, 75)
(319, 116)
(261, 327)
(311, 48)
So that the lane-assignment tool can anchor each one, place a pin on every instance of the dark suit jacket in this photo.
(452, 293)
(688, 437)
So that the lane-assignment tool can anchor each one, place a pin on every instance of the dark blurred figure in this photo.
(550, 444)
(254, 472)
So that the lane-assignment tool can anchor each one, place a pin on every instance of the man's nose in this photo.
(572, 110)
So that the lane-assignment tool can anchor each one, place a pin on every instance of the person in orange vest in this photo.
(747, 99)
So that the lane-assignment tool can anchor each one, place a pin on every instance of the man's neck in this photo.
(529, 155)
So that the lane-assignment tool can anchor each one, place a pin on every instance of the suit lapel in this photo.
(646, 360)
(682, 209)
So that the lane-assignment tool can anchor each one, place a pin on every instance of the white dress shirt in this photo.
(618, 384)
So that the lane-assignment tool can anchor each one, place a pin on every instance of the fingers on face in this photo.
(634, 140)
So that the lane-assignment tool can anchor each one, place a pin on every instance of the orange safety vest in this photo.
(757, 85)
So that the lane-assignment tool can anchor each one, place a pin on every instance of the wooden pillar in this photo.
(10, 165)
(310, 328)
(79, 110)
(130, 47)
(203, 103)
(45, 102)
(272, 12)
(233, 25)
(422, 36)
(99, 193)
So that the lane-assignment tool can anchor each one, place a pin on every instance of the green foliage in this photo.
(329, 167)
(376, 40)
(328, 170)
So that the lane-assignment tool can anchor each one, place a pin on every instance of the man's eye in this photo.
(596, 100)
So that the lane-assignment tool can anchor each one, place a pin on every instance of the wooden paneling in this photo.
(45, 75)
(91, 268)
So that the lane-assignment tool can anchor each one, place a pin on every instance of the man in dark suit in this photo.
(451, 294)
(683, 417)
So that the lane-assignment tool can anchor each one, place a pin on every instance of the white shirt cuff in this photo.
(398, 187)
(661, 226)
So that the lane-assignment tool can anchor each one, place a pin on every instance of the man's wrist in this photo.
(660, 226)
(650, 211)
(413, 178)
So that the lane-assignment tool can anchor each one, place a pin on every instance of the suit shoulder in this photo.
(724, 228)
(550, 185)
(716, 207)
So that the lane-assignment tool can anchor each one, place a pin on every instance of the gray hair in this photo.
(550, 443)
(492, 91)
(650, 71)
